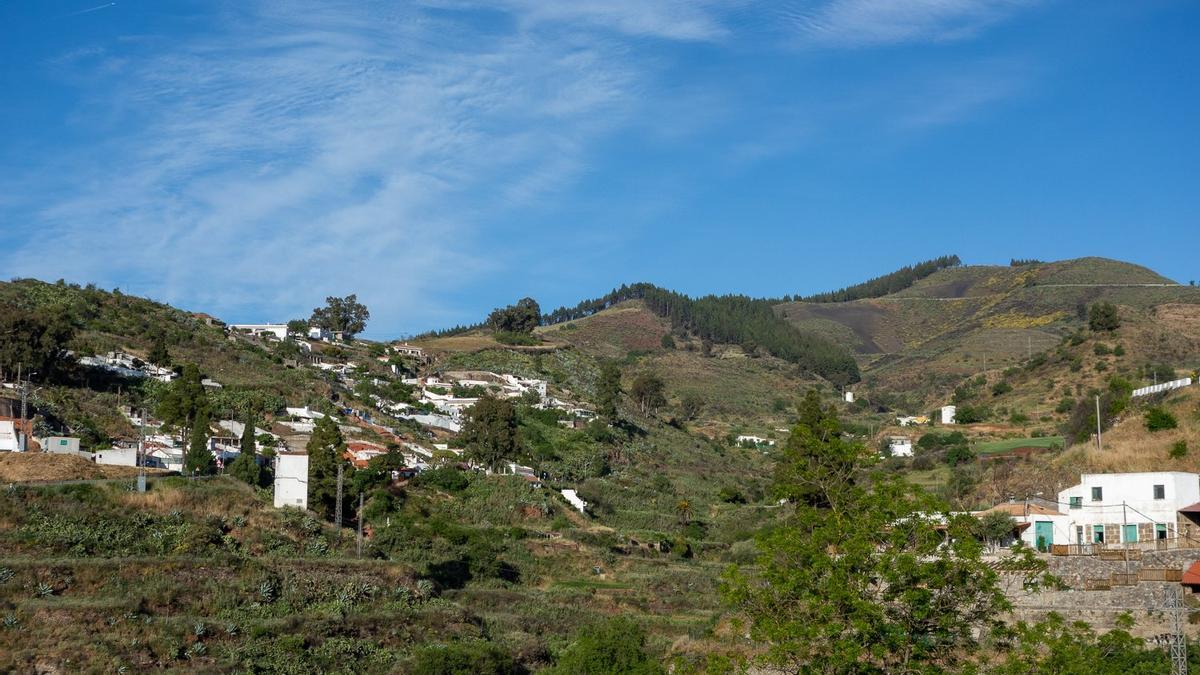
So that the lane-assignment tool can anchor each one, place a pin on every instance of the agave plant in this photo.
(44, 590)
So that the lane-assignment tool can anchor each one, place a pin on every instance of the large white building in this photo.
(1115, 508)
(291, 480)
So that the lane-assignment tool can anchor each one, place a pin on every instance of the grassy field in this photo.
(992, 447)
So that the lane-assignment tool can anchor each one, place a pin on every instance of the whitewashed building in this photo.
(900, 446)
(948, 412)
(279, 330)
(1036, 525)
(8, 437)
(116, 456)
(1115, 508)
(60, 445)
(291, 480)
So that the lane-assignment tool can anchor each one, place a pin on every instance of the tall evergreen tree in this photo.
(199, 460)
(184, 402)
(608, 390)
(325, 448)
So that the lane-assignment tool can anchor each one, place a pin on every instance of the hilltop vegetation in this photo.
(887, 284)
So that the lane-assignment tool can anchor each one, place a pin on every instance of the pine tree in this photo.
(325, 448)
(608, 390)
(199, 461)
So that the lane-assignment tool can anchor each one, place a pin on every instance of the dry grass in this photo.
(1130, 447)
(36, 466)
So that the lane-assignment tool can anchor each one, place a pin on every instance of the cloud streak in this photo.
(867, 23)
(302, 151)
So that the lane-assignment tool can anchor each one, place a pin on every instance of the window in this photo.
(1160, 492)
(1077, 502)
(1098, 533)
(1097, 494)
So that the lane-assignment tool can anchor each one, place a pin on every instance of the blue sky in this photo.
(442, 158)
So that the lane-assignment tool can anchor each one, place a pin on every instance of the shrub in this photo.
(731, 495)
(1118, 350)
(959, 455)
(615, 646)
(1158, 419)
(1065, 406)
(444, 478)
(1100, 349)
(1179, 450)
(463, 659)
(1001, 387)
(1102, 316)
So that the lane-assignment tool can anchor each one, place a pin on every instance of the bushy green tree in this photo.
(649, 392)
(1102, 316)
(34, 343)
(995, 527)
(246, 469)
(520, 318)
(614, 647)
(869, 574)
(346, 315)
(489, 433)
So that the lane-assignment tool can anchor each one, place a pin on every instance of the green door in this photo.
(1160, 530)
(1130, 534)
(1043, 533)
(1098, 534)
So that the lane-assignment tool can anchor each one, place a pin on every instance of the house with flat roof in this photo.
(1110, 508)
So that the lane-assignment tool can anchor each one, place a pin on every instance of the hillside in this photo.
(963, 320)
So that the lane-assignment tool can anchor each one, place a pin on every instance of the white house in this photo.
(60, 445)
(279, 330)
(849, 396)
(1128, 507)
(315, 333)
(291, 480)
(405, 349)
(900, 446)
(948, 412)
(8, 437)
(1037, 525)
(116, 456)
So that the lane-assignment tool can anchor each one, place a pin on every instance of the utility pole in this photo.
(1173, 604)
(359, 545)
(1099, 438)
(1125, 545)
(337, 508)
(141, 451)
(21, 422)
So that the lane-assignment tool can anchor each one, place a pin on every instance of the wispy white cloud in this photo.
(690, 20)
(858, 23)
(299, 151)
